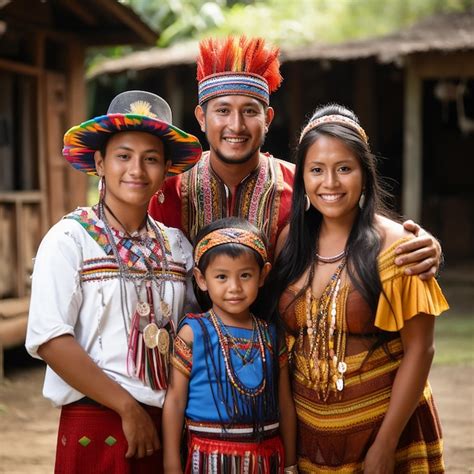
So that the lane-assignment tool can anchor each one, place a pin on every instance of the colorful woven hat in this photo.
(131, 111)
(237, 66)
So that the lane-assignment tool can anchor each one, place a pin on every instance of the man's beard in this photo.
(239, 161)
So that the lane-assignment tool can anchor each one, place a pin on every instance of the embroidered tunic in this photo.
(76, 291)
(198, 197)
(335, 435)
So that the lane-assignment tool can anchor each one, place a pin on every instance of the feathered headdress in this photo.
(237, 66)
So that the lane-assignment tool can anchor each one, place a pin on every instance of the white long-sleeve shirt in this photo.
(76, 291)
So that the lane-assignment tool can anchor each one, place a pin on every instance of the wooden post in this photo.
(364, 103)
(42, 119)
(412, 147)
(75, 113)
(293, 101)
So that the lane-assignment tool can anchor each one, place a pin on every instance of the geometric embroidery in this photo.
(131, 253)
(110, 440)
(136, 257)
(84, 441)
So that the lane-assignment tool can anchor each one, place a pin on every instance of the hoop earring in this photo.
(160, 196)
(307, 204)
(362, 200)
(101, 188)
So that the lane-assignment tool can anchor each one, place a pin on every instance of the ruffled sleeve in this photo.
(404, 296)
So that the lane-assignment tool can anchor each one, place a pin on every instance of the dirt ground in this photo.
(28, 423)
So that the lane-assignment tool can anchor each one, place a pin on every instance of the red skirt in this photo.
(212, 450)
(91, 440)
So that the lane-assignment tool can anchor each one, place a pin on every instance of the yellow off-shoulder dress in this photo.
(335, 435)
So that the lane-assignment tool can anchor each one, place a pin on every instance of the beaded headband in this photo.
(233, 83)
(230, 235)
(335, 119)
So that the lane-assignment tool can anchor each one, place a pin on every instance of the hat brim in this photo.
(82, 141)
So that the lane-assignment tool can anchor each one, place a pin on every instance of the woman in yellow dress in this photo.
(360, 330)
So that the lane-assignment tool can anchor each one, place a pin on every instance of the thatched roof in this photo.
(441, 33)
(152, 58)
(96, 22)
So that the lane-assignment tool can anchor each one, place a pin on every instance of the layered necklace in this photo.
(333, 259)
(227, 343)
(148, 334)
(326, 333)
(241, 402)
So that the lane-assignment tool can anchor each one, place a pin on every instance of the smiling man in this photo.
(234, 178)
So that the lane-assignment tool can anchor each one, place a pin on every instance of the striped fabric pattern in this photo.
(233, 83)
(339, 432)
(81, 141)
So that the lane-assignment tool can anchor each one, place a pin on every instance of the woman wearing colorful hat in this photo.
(109, 283)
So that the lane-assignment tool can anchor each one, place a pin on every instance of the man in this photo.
(236, 78)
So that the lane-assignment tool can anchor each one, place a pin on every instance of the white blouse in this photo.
(76, 291)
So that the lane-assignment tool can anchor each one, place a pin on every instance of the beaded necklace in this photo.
(333, 259)
(148, 336)
(241, 404)
(229, 367)
(326, 336)
(247, 357)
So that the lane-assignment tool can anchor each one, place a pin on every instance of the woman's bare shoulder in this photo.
(390, 231)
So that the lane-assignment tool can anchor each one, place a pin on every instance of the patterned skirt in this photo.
(91, 440)
(335, 435)
(213, 450)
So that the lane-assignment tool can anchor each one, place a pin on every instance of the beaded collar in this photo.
(132, 254)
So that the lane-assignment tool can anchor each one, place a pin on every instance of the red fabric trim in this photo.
(260, 453)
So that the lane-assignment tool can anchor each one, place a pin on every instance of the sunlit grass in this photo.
(454, 339)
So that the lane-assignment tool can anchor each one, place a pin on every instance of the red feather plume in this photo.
(239, 55)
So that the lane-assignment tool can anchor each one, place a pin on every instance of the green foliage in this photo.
(286, 22)
(179, 19)
(282, 22)
(303, 21)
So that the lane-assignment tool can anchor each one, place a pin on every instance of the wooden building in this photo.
(413, 91)
(43, 44)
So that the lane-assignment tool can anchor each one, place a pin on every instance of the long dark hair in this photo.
(364, 242)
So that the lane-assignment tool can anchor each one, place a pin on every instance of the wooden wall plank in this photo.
(75, 113)
(443, 65)
(412, 190)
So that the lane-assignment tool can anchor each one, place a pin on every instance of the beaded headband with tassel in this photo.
(341, 119)
(229, 235)
(237, 66)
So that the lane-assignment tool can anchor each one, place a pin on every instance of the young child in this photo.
(229, 378)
